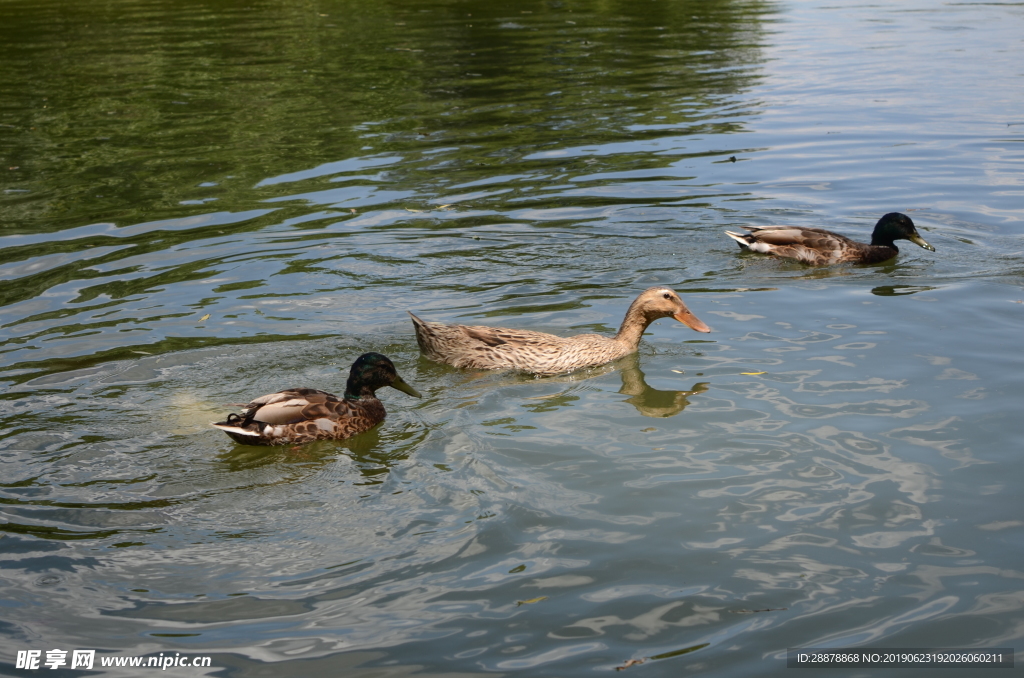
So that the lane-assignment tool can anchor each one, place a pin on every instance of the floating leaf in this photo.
(630, 662)
(679, 371)
(648, 429)
(676, 653)
(142, 352)
(204, 318)
(753, 373)
(531, 601)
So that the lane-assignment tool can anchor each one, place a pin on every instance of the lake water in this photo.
(205, 202)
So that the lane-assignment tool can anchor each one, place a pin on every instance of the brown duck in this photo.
(494, 348)
(299, 415)
(819, 247)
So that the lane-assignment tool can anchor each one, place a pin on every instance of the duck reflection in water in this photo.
(652, 402)
(371, 456)
(360, 448)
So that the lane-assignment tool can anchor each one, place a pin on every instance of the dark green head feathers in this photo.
(896, 226)
(372, 371)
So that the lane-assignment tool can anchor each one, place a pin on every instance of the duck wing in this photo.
(293, 405)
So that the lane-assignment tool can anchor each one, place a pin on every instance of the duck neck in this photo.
(354, 391)
(883, 240)
(632, 328)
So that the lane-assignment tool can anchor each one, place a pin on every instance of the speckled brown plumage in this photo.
(482, 347)
(819, 247)
(299, 415)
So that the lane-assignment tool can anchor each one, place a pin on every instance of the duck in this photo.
(819, 247)
(497, 348)
(300, 415)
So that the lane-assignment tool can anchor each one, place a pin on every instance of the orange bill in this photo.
(691, 321)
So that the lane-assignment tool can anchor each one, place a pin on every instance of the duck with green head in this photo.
(818, 247)
(299, 415)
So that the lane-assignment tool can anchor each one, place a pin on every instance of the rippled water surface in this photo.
(205, 202)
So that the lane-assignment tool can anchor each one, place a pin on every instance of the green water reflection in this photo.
(126, 111)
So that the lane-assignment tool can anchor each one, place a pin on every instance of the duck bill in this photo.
(918, 240)
(691, 321)
(402, 386)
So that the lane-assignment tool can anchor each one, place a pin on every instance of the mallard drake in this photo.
(818, 246)
(299, 415)
(494, 348)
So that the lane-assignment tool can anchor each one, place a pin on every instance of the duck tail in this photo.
(422, 327)
(423, 332)
(744, 239)
(239, 434)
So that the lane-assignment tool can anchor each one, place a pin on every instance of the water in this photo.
(205, 203)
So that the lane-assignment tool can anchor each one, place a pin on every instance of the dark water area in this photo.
(204, 202)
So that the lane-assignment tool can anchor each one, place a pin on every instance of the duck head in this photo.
(372, 371)
(662, 302)
(897, 226)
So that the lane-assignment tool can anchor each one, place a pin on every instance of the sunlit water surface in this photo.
(202, 203)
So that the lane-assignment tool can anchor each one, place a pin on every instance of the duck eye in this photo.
(667, 295)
